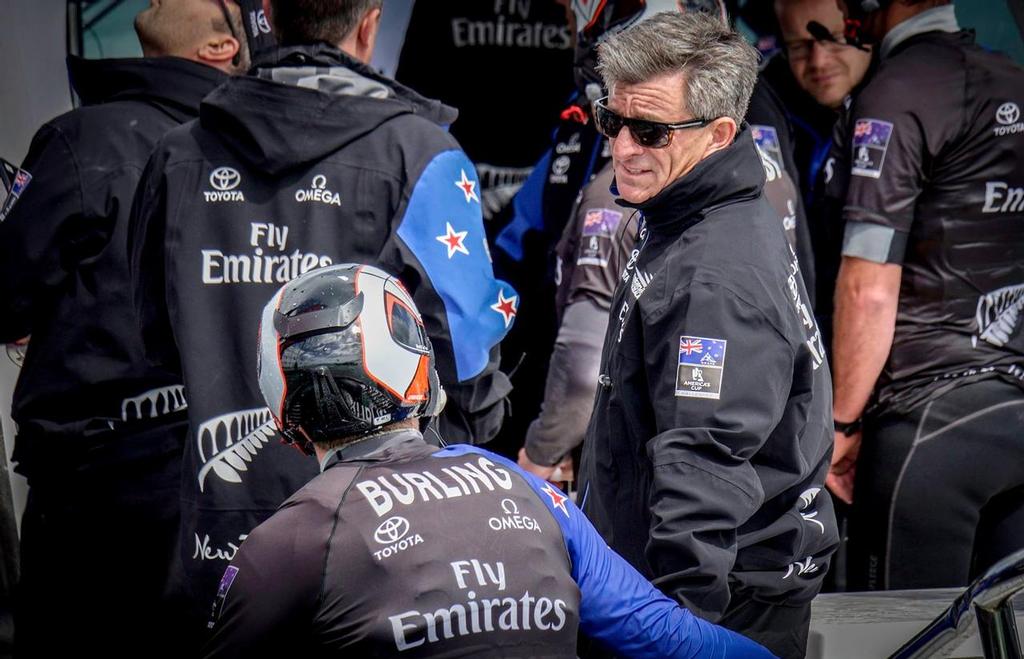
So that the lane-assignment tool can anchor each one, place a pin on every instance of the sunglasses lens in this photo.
(608, 122)
(649, 134)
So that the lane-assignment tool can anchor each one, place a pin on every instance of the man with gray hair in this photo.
(711, 432)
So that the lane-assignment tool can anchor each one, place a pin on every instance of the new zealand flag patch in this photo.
(701, 367)
(870, 141)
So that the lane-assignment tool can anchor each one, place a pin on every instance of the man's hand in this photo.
(844, 466)
(537, 470)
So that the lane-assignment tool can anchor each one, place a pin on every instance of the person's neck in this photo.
(905, 21)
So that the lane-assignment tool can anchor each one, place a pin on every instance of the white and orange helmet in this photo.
(343, 351)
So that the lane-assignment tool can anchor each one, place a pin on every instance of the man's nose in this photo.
(819, 54)
(624, 146)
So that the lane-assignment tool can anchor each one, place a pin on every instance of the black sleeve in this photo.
(266, 601)
(887, 155)
(37, 238)
(476, 408)
(146, 264)
(719, 378)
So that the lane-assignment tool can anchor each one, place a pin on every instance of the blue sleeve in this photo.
(527, 210)
(618, 606)
(443, 228)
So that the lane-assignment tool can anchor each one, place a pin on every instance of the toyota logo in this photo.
(509, 507)
(391, 530)
(560, 166)
(319, 182)
(1008, 113)
(225, 178)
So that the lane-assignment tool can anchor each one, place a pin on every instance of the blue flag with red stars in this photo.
(443, 228)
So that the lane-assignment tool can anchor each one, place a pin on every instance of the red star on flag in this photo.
(557, 498)
(507, 307)
(468, 188)
(453, 240)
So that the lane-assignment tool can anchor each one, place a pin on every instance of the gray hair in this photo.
(718, 65)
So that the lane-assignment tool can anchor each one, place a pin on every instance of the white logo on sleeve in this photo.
(224, 180)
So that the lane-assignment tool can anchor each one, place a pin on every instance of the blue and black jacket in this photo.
(312, 160)
(401, 549)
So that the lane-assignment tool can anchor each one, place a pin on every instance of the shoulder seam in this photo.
(330, 537)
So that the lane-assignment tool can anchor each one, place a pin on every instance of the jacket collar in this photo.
(327, 60)
(733, 174)
(936, 19)
(178, 85)
(369, 448)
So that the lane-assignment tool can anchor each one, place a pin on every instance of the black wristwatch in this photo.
(848, 429)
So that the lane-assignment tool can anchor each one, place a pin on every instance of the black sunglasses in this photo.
(650, 134)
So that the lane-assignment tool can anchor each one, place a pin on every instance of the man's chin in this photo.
(634, 195)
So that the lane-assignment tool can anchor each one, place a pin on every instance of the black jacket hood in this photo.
(275, 126)
(732, 174)
(178, 85)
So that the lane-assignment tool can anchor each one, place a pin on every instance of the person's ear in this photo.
(366, 34)
(219, 50)
(723, 132)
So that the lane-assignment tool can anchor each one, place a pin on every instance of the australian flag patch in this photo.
(870, 141)
(601, 222)
(701, 367)
(21, 180)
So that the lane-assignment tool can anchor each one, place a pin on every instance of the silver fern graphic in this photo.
(229, 441)
(998, 315)
(806, 499)
(16, 353)
(160, 402)
(805, 566)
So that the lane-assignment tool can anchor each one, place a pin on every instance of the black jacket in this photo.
(712, 429)
(401, 549)
(63, 260)
(277, 178)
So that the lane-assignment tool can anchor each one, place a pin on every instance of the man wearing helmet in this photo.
(929, 346)
(401, 547)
